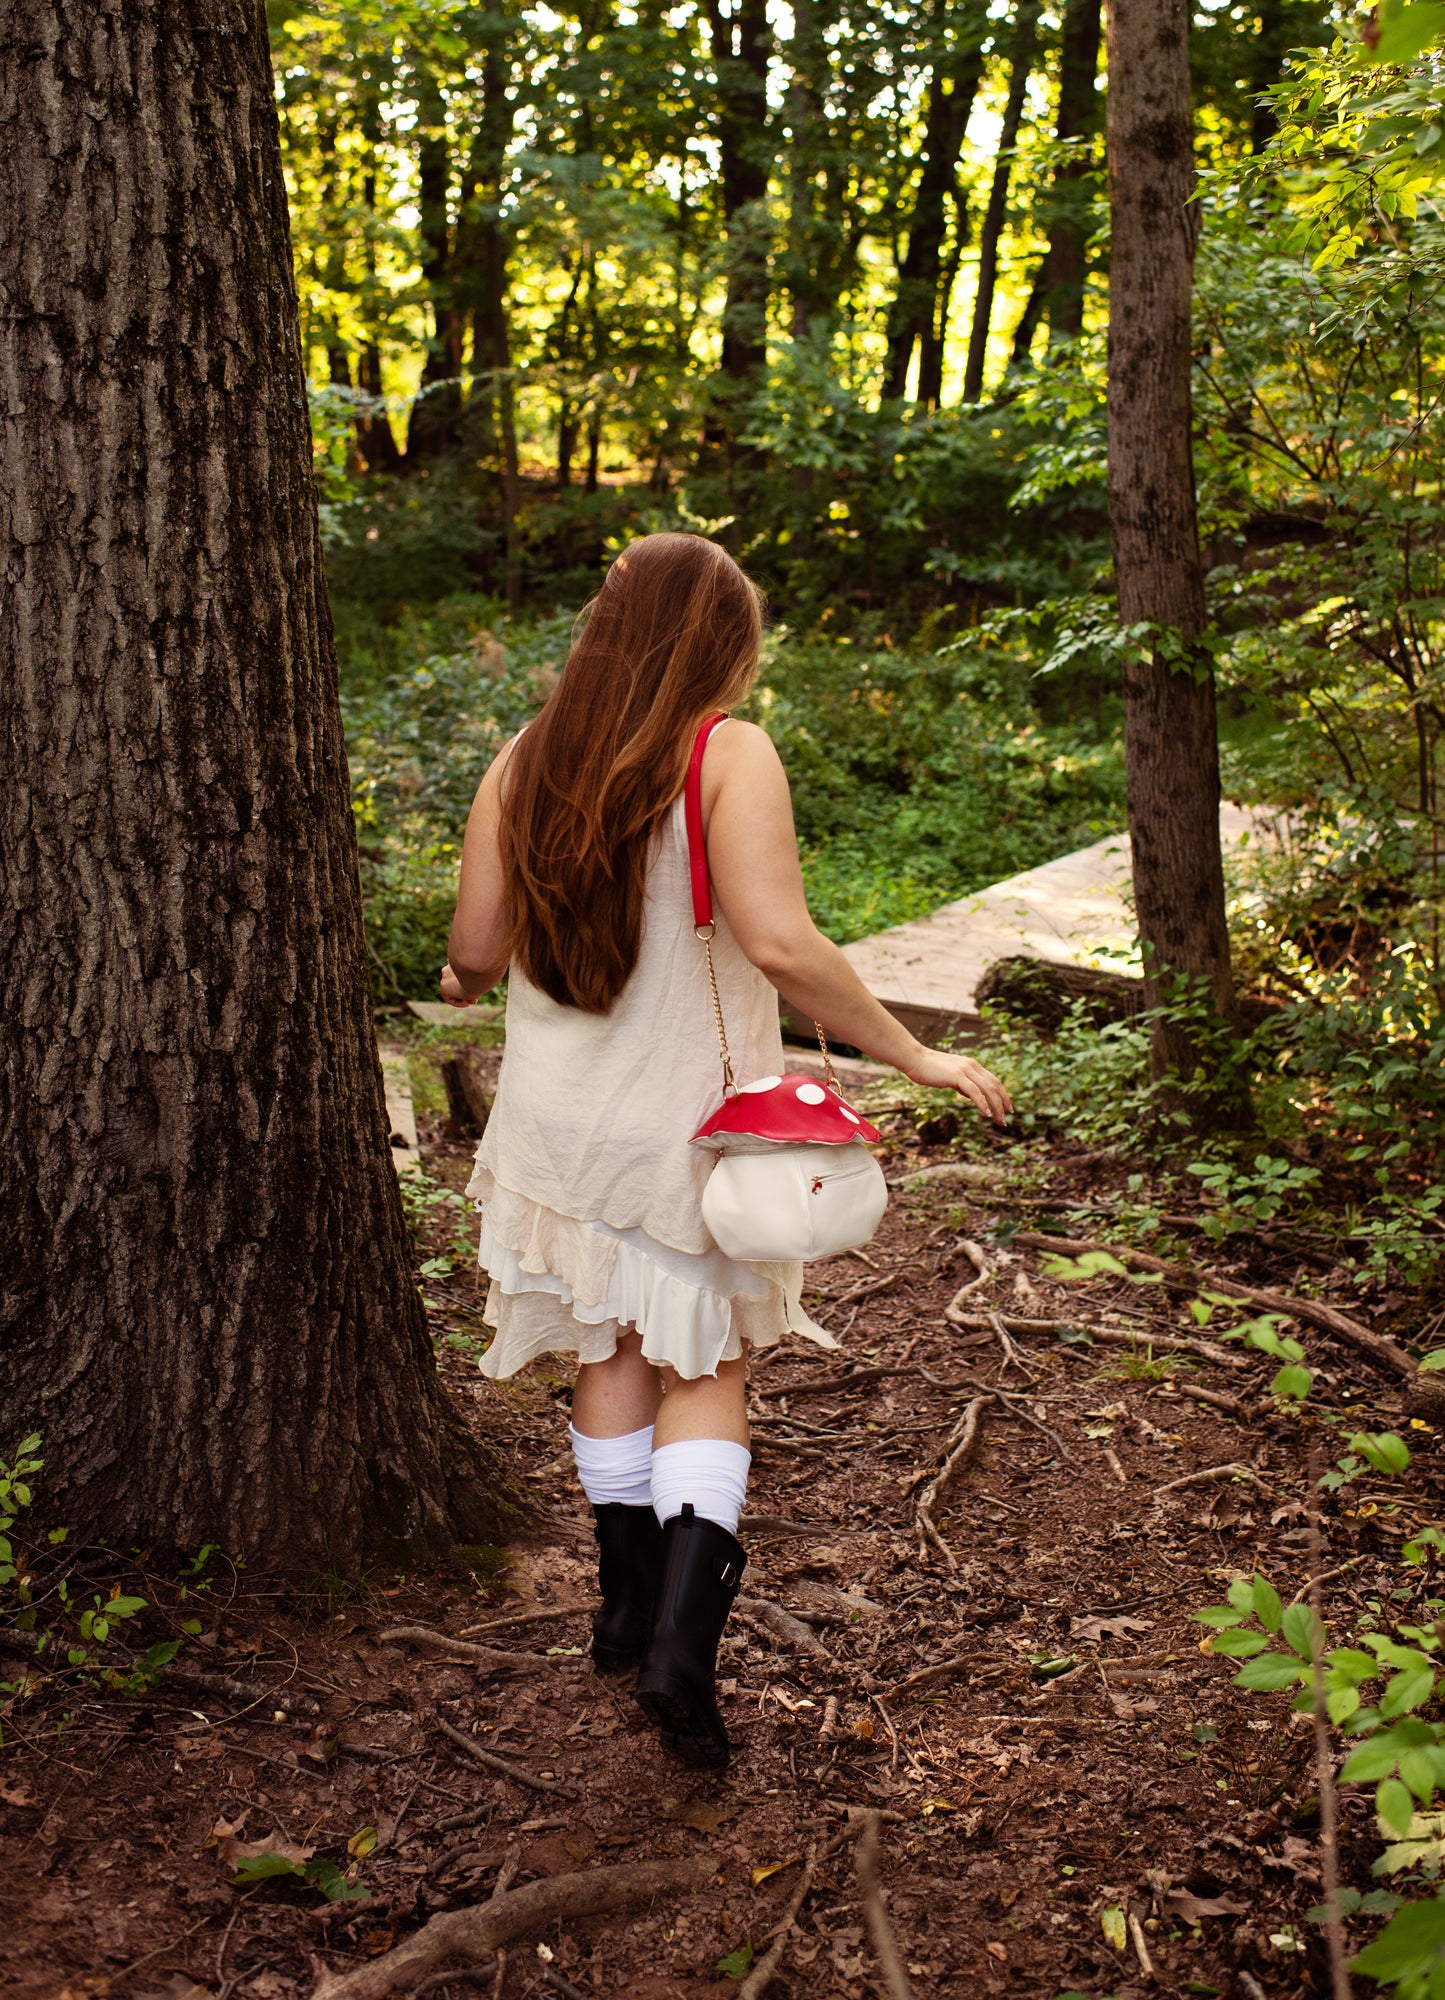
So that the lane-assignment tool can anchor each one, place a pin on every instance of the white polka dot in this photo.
(851, 1116)
(763, 1083)
(811, 1093)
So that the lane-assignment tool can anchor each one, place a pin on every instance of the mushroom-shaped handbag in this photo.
(793, 1177)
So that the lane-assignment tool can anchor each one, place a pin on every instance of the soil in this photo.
(1056, 1759)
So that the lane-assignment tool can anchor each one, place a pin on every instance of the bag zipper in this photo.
(843, 1174)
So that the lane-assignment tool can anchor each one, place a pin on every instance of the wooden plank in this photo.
(400, 1112)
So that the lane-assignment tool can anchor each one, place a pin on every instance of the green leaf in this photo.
(1395, 1807)
(1240, 1645)
(1341, 1703)
(1271, 1673)
(736, 1964)
(1220, 1615)
(1111, 1923)
(149, 1665)
(1302, 1630)
(124, 1607)
(1430, 1362)
(1423, 1770)
(1410, 32)
(323, 1874)
(1409, 1944)
(1241, 1594)
(263, 1868)
(1267, 1607)
(1292, 1381)
(1411, 1688)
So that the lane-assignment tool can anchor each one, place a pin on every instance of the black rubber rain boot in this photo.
(702, 1566)
(629, 1568)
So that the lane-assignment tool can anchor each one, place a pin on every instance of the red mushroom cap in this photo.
(791, 1110)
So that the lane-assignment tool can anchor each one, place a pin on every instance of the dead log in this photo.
(1042, 991)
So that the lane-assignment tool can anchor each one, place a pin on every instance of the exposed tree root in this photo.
(961, 1444)
(1374, 1346)
(465, 1649)
(518, 1773)
(885, 1946)
(466, 1934)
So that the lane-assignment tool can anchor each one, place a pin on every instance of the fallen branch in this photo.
(1230, 1404)
(942, 1670)
(967, 1436)
(1384, 1353)
(464, 1649)
(518, 1773)
(465, 1934)
(783, 1625)
(865, 1867)
(761, 1976)
(1208, 1476)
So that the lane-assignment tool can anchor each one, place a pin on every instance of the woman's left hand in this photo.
(452, 991)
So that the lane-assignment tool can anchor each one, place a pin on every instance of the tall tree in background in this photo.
(1171, 743)
(205, 1302)
(741, 45)
(1058, 291)
(913, 316)
(1022, 49)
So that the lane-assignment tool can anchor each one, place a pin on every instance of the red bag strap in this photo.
(692, 807)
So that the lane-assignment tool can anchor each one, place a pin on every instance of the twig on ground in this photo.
(783, 1625)
(463, 1934)
(964, 1439)
(1141, 1950)
(1111, 1459)
(1384, 1353)
(941, 1670)
(455, 1975)
(1208, 1475)
(1329, 1576)
(865, 1867)
(517, 1772)
(537, 1617)
(559, 1982)
(1324, 1755)
(892, 1732)
(761, 1976)
(1231, 1405)
(830, 1720)
(463, 1650)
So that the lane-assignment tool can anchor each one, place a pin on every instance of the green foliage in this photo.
(319, 1872)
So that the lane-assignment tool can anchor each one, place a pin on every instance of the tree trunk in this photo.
(1069, 219)
(951, 91)
(1025, 34)
(741, 42)
(436, 413)
(1171, 746)
(206, 1308)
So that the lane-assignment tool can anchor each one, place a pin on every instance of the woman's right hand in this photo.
(936, 1069)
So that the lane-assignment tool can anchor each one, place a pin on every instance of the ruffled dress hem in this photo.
(561, 1284)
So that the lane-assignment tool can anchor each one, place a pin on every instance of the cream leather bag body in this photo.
(794, 1178)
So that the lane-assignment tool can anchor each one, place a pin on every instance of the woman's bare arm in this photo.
(477, 948)
(753, 858)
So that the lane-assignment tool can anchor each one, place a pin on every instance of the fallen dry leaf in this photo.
(700, 1814)
(1182, 1903)
(761, 1874)
(16, 1794)
(1115, 1628)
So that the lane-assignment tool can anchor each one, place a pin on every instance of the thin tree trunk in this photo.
(741, 43)
(436, 413)
(1025, 36)
(373, 426)
(206, 1307)
(951, 92)
(1069, 221)
(1171, 745)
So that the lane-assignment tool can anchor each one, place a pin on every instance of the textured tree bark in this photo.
(205, 1303)
(1171, 746)
(1026, 21)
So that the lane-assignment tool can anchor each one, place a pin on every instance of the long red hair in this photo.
(671, 637)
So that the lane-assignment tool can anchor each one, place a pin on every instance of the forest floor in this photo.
(1069, 1794)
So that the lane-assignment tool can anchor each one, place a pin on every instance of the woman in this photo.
(574, 880)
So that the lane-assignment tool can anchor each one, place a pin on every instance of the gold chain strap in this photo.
(730, 1089)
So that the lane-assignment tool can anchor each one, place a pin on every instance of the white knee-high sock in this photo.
(710, 1472)
(615, 1472)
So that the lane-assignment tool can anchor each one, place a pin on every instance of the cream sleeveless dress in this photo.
(590, 1194)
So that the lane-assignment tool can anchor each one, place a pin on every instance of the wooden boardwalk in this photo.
(1075, 910)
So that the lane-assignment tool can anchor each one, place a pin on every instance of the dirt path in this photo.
(1033, 1720)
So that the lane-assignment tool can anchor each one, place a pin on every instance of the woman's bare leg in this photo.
(615, 1397)
(710, 1406)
